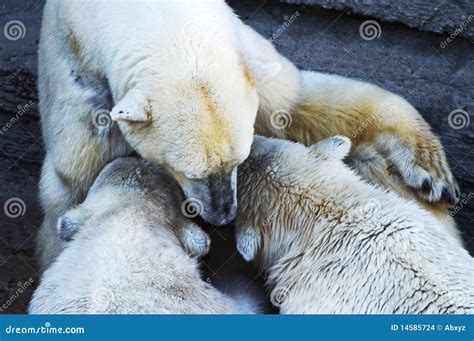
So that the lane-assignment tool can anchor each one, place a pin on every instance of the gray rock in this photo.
(452, 17)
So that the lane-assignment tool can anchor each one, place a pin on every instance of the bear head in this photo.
(135, 191)
(273, 179)
(200, 128)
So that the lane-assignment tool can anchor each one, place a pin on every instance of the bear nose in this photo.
(222, 216)
(216, 196)
(222, 208)
(229, 218)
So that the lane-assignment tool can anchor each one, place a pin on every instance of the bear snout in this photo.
(215, 197)
(222, 206)
(223, 217)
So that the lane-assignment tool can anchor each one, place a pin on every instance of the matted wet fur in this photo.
(328, 242)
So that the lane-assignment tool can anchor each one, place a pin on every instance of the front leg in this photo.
(392, 144)
(383, 127)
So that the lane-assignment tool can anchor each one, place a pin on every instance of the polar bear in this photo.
(331, 243)
(129, 251)
(184, 84)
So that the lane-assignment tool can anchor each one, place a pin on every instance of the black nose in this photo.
(217, 197)
(220, 219)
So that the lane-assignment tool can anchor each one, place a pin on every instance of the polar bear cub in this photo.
(331, 243)
(131, 250)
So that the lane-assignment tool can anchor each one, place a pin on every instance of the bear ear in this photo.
(70, 222)
(248, 240)
(260, 71)
(336, 147)
(134, 106)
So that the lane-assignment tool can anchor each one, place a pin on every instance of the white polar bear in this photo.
(130, 252)
(185, 83)
(331, 243)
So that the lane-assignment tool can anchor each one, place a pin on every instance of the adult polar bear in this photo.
(185, 82)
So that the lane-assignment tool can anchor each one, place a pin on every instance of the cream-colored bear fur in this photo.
(129, 251)
(183, 82)
(330, 243)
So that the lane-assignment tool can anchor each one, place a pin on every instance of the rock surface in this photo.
(435, 16)
(403, 60)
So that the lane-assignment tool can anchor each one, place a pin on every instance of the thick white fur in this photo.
(174, 83)
(331, 243)
(183, 81)
(130, 252)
